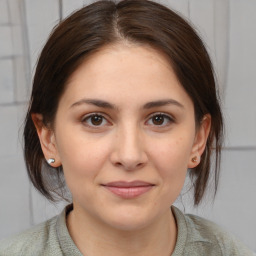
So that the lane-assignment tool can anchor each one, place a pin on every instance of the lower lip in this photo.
(130, 192)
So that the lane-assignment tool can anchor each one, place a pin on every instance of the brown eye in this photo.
(94, 120)
(158, 120)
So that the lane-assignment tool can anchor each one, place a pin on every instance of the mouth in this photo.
(128, 190)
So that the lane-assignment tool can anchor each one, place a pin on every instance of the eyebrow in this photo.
(95, 102)
(161, 103)
(105, 104)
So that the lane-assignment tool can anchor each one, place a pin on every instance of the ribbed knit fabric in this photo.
(196, 237)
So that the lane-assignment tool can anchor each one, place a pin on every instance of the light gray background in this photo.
(229, 30)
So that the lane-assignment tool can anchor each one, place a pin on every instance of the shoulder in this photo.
(204, 237)
(34, 241)
(206, 232)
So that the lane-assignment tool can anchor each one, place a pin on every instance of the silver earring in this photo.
(51, 161)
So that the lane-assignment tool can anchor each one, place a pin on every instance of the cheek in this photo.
(82, 161)
(172, 154)
(81, 156)
(170, 158)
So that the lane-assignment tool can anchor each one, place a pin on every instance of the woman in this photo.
(123, 105)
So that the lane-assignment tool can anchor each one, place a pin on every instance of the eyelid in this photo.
(89, 115)
(169, 116)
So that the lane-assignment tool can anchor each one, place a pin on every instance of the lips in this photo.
(128, 190)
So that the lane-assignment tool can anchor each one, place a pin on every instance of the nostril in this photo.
(129, 166)
(118, 164)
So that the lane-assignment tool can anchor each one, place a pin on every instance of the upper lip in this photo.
(128, 184)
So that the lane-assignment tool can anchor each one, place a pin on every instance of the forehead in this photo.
(122, 70)
(123, 52)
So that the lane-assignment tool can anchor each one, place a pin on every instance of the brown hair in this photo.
(106, 22)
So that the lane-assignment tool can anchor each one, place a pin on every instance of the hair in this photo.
(106, 22)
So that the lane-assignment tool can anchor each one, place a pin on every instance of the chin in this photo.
(130, 220)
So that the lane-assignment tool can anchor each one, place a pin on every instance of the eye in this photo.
(160, 119)
(95, 120)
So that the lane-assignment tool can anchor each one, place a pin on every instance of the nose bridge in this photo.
(129, 151)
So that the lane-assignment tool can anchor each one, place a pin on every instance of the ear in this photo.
(47, 140)
(200, 141)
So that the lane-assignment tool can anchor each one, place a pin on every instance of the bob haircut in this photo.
(107, 22)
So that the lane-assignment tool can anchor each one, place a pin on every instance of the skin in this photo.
(127, 143)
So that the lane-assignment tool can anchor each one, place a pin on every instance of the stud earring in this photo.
(51, 161)
(194, 159)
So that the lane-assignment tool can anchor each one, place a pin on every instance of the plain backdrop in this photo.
(229, 30)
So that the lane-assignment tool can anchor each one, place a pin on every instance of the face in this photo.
(125, 135)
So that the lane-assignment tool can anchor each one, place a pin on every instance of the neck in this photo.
(93, 238)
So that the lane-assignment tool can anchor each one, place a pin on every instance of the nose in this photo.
(129, 152)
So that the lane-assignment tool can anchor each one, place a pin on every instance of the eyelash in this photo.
(90, 116)
(167, 118)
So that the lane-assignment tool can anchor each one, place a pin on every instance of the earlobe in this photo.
(200, 141)
(47, 141)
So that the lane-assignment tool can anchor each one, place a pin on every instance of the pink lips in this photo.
(128, 190)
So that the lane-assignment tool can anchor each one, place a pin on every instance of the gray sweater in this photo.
(196, 236)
